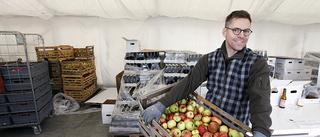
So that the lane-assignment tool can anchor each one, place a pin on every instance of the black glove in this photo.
(153, 112)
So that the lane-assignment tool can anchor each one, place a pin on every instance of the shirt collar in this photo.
(238, 55)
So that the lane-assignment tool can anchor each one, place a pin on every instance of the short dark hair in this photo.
(237, 14)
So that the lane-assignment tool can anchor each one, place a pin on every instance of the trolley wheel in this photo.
(37, 129)
(51, 114)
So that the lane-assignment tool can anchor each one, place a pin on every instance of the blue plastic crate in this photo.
(18, 96)
(5, 120)
(25, 83)
(29, 106)
(31, 117)
(20, 70)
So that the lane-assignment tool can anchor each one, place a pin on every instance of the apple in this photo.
(188, 119)
(216, 134)
(197, 117)
(171, 123)
(202, 129)
(233, 133)
(190, 107)
(177, 113)
(205, 119)
(170, 116)
(182, 108)
(176, 132)
(181, 125)
(186, 133)
(223, 134)
(183, 101)
(167, 111)
(207, 134)
(206, 112)
(177, 118)
(241, 134)
(174, 108)
(213, 126)
(223, 128)
(162, 120)
(190, 125)
(195, 131)
(218, 120)
(164, 116)
(200, 109)
(196, 135)
(193, 103)
(189, 114)
(197, 123)
(183, 116)
(164, 125)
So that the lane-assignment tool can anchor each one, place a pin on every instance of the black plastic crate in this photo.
(18, 96)
(29, 106)
(20, 70)
(3, 109)
(5, 120)
(2, 98)
(25, 83)
(31, 117)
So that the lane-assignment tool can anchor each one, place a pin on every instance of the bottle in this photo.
(283, 99)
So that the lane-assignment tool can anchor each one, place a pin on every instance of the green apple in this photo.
(233, 133)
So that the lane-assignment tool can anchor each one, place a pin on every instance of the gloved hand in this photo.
(258, 134)
(153, 112)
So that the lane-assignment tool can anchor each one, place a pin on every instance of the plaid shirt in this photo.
(227, 83)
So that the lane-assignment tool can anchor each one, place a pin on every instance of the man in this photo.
(237, 79)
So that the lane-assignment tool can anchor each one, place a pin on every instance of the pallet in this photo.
(125, 135)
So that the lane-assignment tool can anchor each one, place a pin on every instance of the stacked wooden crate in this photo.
(79, 75)
(55, 55)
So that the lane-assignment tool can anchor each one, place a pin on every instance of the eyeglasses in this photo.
(237, 31)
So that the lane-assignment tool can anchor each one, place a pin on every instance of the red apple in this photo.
(164, 125)
(206, 112)
(183, 116)
(205, 119)
(216, 134)
(207, 134)
(197, 117)
(223, 134)
(162, 120)
(189, 114)
(176, 132)
(218, 120)
(181, 125)
(202, 129)
(171, 123)
(186, 133)
(170, 116)
(213, 127)
(183, 108)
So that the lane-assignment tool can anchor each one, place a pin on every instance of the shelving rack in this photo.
(26, 98)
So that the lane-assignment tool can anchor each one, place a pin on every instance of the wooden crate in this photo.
(78, 81)
(81, 94)
(56, 84)
(78, 67)
(144, 103)
(62, 52)
(56, 69)
(86, 52)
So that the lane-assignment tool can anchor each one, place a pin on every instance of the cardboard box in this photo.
(133, 45)
(106, 111)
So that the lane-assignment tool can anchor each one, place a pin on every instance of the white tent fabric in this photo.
(282, 27)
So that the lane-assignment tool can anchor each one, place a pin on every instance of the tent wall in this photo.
(160, 33)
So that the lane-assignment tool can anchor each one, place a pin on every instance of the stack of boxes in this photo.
(291, 69)
(73, 70)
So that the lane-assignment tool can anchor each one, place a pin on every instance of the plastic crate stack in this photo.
(17, 105)
(178, 64)
(55, 55)
(79, 74)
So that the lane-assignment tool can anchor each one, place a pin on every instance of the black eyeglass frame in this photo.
(234, 30)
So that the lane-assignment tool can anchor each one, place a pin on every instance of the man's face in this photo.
(234, 42)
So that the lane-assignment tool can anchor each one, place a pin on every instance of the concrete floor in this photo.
(75, 125)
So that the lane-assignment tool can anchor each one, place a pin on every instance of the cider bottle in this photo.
(283, 99)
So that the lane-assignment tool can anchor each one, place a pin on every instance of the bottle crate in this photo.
(86, 52)
(62, 52)
(78, 67)
(81, 94)
(78, 81)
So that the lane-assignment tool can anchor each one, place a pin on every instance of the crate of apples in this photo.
(186, 118)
